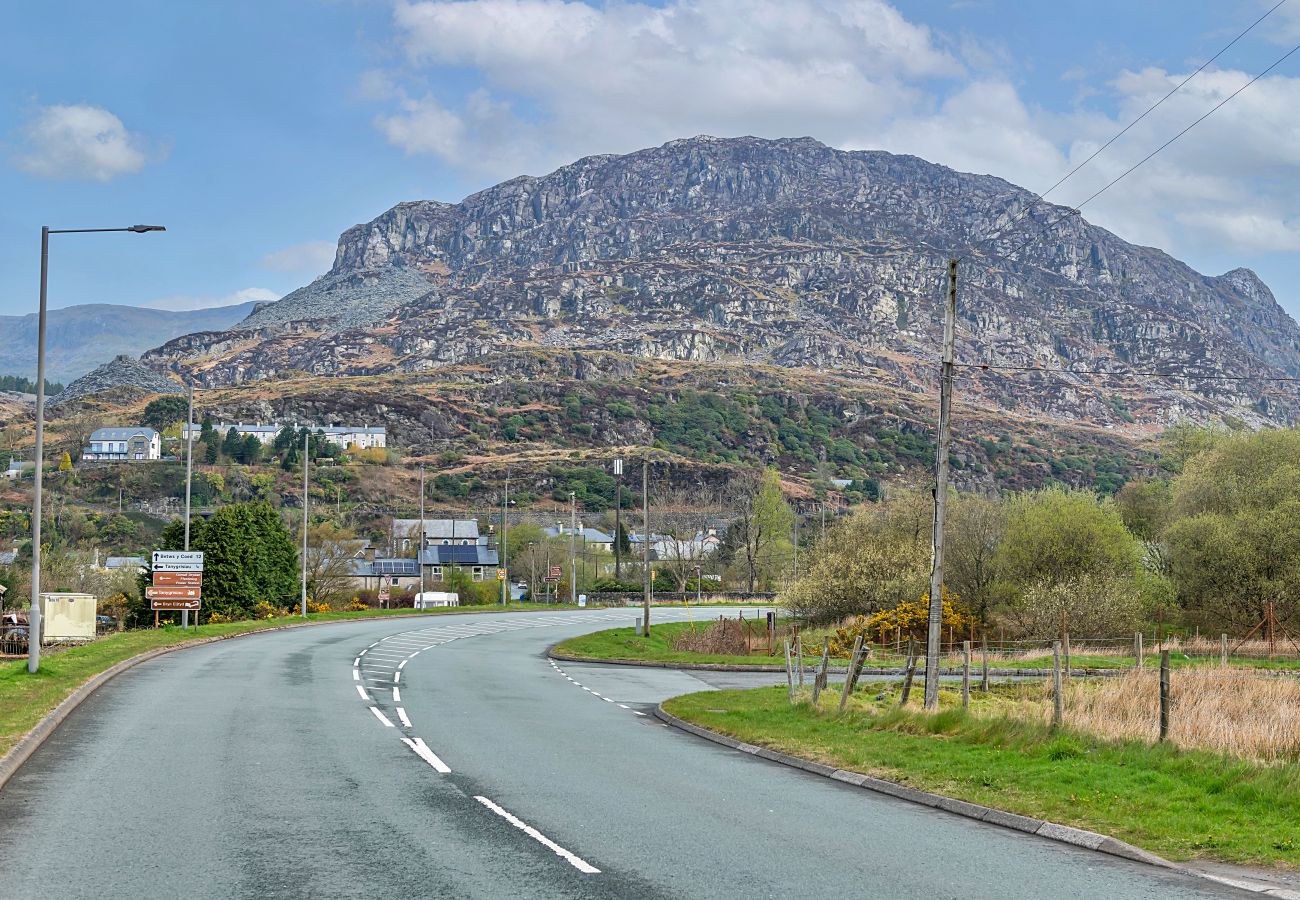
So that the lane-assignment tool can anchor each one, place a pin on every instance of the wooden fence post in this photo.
(819, 680)
(789, 673)
(984, 653)
(911, 670)
(965, 674)
(848, 676)
(1057, 699)
(1223, 649)
(1137, 648)
(798, 653)
(1164, 694)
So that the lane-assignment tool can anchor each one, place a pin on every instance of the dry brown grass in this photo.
(1225, 710)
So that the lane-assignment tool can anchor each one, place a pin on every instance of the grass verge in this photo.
(624, 644)
(1177, 804)
(25, 699)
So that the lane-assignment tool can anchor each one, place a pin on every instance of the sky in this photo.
(258, 130)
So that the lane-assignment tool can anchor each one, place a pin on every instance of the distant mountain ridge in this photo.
(80, 338)
(779, 252)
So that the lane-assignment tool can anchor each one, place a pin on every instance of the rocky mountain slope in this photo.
(79, 338)
(122, 374)
(787, 253)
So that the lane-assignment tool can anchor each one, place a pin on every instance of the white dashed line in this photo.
(576, 861)
(397, 676)
(422, 750)
(401, 714)
(362, 692)
(397, 695)
(357, 661)
(402, 664)
(381, 717)
(356, 675)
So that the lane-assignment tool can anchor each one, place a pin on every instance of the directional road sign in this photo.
(164, 605)
(178, 560)
(178, 579)
(154, 592)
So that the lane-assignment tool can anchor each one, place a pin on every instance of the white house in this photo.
(593, 538)
(18, 468)
(363, 437)
(133, 444)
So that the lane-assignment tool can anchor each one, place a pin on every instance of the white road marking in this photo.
(607, 700)
(576, 861)
(381, 717)
(364, 652)
(402, 664)
(357, 661)
(356, 675)
(401, 714)
(624, 706)
(397, 695)
(397, 676)
(388, 668)
(422, 750)
(636, 712)
(362, 692)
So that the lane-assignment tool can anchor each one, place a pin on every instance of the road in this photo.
(283, 765)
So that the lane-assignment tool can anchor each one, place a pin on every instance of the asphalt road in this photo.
(282, 765)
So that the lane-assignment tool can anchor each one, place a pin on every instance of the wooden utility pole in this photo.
(935, 634)
(645, 543)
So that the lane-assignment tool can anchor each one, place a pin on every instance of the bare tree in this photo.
(762, 525)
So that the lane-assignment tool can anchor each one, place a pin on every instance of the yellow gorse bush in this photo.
(912, 616)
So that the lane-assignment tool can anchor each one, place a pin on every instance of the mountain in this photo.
(777, 252)
(79, 338)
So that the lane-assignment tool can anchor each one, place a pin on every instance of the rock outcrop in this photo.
(121, 372)
(782, 252)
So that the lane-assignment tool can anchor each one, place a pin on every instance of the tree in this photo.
(763, 526)
(233, 444)
(1234, 539)
(210, 453)
(207, 433)
(65, 462)
(329, 562)
(163, 412)
(251, 452)
(1144, 507)
(249, 558)
(975, 526)
(874, 559)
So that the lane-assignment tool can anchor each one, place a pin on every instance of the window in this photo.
(478, 573)
(437, 570)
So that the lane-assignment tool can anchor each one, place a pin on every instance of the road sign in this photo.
(154, 592)
(385, 582)
(556, 572)
(501, 574)
(552, 579)
(178, 579)
(164, 605)
(178, 560)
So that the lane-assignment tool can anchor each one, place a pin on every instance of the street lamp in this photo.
(34, 617)
(573, 548)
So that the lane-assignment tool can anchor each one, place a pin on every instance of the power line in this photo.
(1006, 257)
(1070, 174)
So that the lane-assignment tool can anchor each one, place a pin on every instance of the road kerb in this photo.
(1077, 837)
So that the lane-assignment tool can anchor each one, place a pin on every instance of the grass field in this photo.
(25, 699)
(623, 643)
(1178, 804)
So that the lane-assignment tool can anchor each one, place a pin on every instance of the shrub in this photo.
(314, 607)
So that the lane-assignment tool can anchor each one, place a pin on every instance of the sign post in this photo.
(385, 585)
(177, 581)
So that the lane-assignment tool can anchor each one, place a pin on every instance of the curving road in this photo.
(448, 757)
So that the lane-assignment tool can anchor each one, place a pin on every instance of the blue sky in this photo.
(258, 131)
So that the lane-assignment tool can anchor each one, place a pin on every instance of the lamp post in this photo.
(189, 476)
(34, 618)
(573, 548)
(306, 453)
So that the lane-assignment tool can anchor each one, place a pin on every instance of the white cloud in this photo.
(310, 257)
(79, 142)
(563, 78)
(558, 79)
(187, 301)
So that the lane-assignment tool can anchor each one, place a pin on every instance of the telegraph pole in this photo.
(306, 455)
(189, 475)
(505, 564)
(941, 491)
(645, 543)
